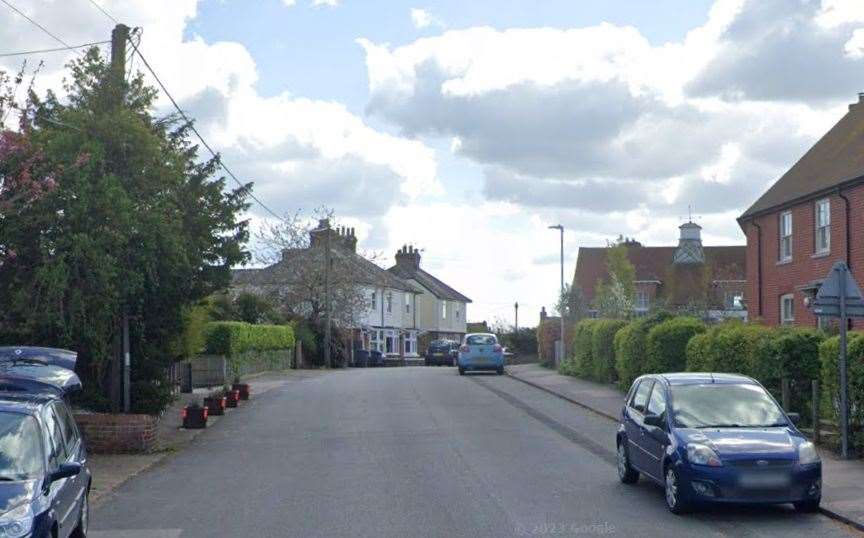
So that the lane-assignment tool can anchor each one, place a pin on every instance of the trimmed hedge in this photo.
(232, 338)
(667, 344)
(829, 353)
(603, 349)
(630, 348)
(582, 346)
(731, 347)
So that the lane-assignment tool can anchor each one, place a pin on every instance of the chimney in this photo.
(689, 249)
(408, 257)
(543, 314)
(318, 235)
(854, 106)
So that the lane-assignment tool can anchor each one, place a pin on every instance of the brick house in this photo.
(810, 218)
(674, 276)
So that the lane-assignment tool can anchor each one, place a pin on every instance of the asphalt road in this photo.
(412, 452)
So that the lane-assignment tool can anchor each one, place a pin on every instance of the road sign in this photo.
(840, 296)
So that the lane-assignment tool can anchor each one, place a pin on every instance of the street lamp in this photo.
(561, 313)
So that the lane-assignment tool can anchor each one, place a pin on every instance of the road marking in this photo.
(137, 533)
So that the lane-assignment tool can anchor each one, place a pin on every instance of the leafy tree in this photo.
(106, 210)
(615, 294)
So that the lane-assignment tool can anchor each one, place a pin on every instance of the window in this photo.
(787, 309)
(67, 425)
(481, 340)
(375, 338)
(640, 396)
(410, 343)
(722, 404)
(407, 303)
(389, 302)
(443, 309)
(56, 447)
(657, 403)
(20, 447)
(734, 300)
(458, 315)
(642, 300)
(823, 226)
(785, 236)
(374, 299)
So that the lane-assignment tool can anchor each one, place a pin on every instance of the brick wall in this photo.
(116, 434)
(780, 278)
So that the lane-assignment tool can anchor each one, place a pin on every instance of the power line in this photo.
(195, 130)
(58, 49)
(36, 24)
(104, 12)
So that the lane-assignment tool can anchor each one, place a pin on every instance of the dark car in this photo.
(715, 438)
(442, 353)
(44, 478)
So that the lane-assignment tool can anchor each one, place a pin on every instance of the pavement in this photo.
(112, 470)
(412, 452)
(842, 480)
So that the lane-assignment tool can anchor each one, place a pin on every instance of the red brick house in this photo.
(673, 276)
(810, 218)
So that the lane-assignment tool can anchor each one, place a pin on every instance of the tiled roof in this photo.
(837, 158)
(435, 286)
(653, 263)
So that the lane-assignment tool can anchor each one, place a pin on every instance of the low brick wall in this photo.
(118, 434)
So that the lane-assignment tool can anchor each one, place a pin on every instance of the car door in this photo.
(655, 440)
(62, 492)
(633, 423)
(76, 453)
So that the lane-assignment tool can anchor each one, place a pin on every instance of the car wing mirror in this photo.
(653, 420)
(66, 470)
(794, 417)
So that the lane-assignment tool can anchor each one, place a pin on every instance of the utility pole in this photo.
(516, 324)
(327, 306)
(560, 355)
(119, 37)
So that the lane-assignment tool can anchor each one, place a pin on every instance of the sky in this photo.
(467, 128)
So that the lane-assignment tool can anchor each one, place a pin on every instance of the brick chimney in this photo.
(408, 257)
(543, 314)
(859, 103)
(340, 237)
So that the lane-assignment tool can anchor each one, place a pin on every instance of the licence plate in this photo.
(437, 354)
(764, 480)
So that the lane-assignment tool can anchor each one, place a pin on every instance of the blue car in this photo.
(44, 478)
(715, 438)
(480, 351)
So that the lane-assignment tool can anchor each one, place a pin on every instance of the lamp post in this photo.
(560, 353)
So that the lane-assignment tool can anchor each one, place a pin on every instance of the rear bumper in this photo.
(481, 363)
(725, 485)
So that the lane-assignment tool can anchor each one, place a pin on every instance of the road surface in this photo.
(412, 452)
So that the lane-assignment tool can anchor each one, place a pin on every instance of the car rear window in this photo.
(480, 340)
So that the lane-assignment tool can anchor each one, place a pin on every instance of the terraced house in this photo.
(808, 219)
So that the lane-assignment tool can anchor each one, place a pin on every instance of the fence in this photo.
(216, 370)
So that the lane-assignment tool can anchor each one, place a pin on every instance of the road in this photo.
(412, 452)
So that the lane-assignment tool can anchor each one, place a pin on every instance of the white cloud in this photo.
(289, 3)
(423, 18)
(327, 3)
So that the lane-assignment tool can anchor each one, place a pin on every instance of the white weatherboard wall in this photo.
(430, 316)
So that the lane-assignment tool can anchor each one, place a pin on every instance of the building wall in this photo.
(779, 278)
(377, 315)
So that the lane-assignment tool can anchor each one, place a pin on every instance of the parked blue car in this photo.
(481, 351)
(715, 438)
(44, 478)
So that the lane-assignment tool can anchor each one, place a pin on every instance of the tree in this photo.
(614, 298)
(108, 211)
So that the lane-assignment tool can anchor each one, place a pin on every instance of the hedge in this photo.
(231, 338)
(630, 346)
(829, 352)
(603, 350)
(582, 346)
(667, 344)
(731, 347)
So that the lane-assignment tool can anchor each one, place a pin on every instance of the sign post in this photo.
(840, 297)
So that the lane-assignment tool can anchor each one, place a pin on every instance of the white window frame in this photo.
(729, 300)
(443, 309)
(410, 339)
(787, 317)
(642, 301)
(784, 233)
(389, 302)
(822, 226)
(374, 299)
(407, 303)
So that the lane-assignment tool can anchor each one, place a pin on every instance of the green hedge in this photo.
(731, 347)
(235, 337)
(667, 344)
(603, 350)
(582, 346)
(630, 348)
(829, 352)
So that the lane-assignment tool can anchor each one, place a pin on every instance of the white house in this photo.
(441, 310)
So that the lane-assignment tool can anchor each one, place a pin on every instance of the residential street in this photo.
(412, 452)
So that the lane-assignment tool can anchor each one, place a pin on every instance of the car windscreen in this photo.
(724, 405)
(480, 340)
(20, 447)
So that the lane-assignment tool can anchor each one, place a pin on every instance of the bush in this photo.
(231, 338)
(698, 350)
(583, 335)
(829, 352)
(667, 344)
(630, 347)
(603, 350)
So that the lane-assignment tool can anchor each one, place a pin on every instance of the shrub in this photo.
(630, 356)
(829, 352)
(581, 345)
(734, 348)
(667, 344)
(697, 351)
(603, 349)
(231, 338)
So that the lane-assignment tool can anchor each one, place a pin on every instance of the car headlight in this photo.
(807, 453)
(702, 455)
(16, 523)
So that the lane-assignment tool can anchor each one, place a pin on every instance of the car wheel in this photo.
(807, 507)
(80, 530)
(673, 493)
(626, 473)
(461, 371)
